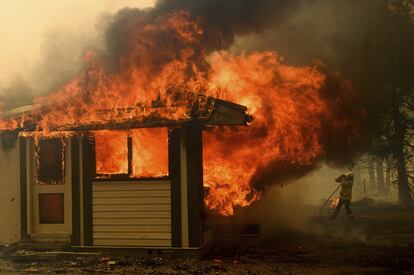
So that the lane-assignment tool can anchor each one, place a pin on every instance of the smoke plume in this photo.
(290, 62)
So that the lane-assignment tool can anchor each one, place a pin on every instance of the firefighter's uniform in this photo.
(347, 182)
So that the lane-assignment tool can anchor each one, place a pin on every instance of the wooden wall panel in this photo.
(133, 221)
(132, 213)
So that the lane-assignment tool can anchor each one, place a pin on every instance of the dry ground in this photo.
(379, 241)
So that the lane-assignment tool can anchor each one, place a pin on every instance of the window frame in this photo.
(128, 176)
(40, 181)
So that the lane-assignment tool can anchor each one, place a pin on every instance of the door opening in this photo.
(51, 202)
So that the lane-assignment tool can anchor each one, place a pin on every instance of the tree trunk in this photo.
(380, 175)
(371, 174)
(387, 175)
(404, 193)
(357, 173)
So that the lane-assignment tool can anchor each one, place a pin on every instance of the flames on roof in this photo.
(158, 60)
(205, 110)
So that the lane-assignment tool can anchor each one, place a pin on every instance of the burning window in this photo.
(149, 152)
(50, 159)
(111, 149)
(141, 153)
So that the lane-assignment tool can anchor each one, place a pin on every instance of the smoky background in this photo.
(331, 35)
(43, 43)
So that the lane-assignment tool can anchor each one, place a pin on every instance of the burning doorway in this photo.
(49, 200)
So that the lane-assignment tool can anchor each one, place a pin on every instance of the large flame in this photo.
(150, 152)
(149, 149)
(111, 152)
(163, 59)
(287, 112)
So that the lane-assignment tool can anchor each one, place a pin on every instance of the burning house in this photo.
(166, 127)
(123, 154)
(126, 182)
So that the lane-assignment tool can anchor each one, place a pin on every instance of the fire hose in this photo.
(323, 206)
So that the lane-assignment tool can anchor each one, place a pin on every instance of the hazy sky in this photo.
(25, 23)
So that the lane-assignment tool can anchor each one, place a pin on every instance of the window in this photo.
(50, 159)
(51, 208)
(139, 153)
(111, 149)
(149, 152)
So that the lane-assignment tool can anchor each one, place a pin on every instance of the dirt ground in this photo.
(379, 241)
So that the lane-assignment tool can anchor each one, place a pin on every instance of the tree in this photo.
(389, 71)
(371, 44)
(379, 165)
(371, 174)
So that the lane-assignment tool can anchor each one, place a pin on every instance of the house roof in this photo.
(218, 112)
(16, 112)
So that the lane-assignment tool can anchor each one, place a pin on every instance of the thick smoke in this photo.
(58, 60)
(264, 19)
(357, 44)
(334, 36)
(226, 19)
(221, 20)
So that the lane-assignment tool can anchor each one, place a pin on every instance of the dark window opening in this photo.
(50, 161)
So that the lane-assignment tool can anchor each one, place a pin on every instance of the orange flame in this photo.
(150, 152)
(111, 152)
(334, 202)
(287, 111)
(284, 100)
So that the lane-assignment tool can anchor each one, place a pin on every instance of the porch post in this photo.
(23, 188)
(75, 239)
(195, 193)
(174, 167)
(88, 170)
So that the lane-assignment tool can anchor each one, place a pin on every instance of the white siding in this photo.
(132, 213)
(9, 195)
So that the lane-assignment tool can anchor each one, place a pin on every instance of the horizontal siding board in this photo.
(133, 194)
(132, 208)
(132, 228)
(130, 188)
(114, 214)
(119, 186)
(130, 201)
(126, 221)
(132, 242)
(132, 235)
(132, 213)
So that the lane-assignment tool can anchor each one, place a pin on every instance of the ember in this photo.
(334, 202)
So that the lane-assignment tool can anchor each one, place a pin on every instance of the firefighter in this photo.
(347, 181)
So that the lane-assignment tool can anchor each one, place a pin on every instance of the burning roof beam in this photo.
(220, 112)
